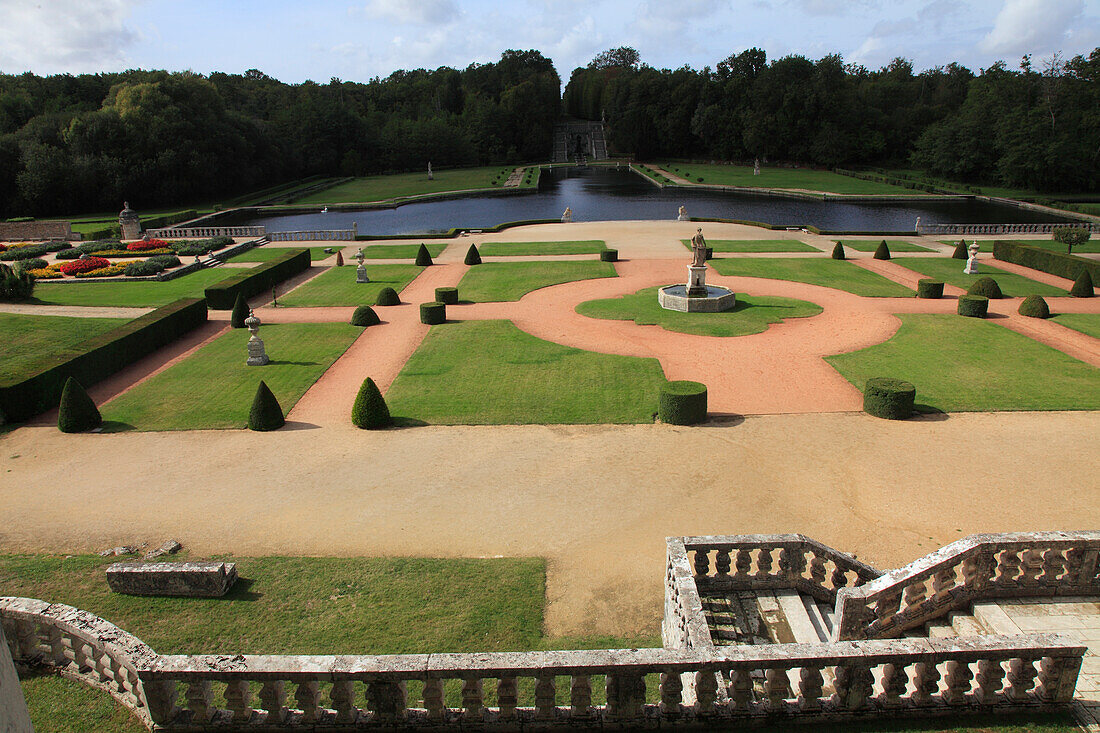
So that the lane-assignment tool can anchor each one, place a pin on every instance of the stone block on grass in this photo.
(185, 579)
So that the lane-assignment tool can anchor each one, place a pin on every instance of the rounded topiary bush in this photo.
(433, 314)
(609, 255)
(364, 315)
(447, 296)
(387, 296)
(423, 257)
(960, 252)
(239, 313)
(682, 403)
(882, 252)
(1034, 307)
(838, 251)
(473, 257)
(77, 413)
(1082, 286)
(986, 286)
(888, 398)
(370, 411)
(973, 306)
(929, 288)
(266, 414)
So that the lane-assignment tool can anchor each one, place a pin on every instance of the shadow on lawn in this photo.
(292, 363)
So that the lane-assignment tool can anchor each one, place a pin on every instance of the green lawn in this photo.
(1088, 323)
(895, 245)
(27, 340)
(515, 249)
(753, 313)
(384, 188)
(497, 281)
(133, 294)
(337, 285)
(266, 254)
(396, 251)
(803, 178)
(755, 245)
(213, 388)
(951, 271)
(839, 274)
(491, 373)
(1091, 246)
(967, 364)
(58, 705)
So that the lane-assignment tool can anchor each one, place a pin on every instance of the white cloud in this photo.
(65, 35)
(415, 12)
(1032, 26)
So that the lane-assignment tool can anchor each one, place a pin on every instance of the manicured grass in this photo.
(838, 274)
(131, 294)
(384, 188)
(337, 285)
(396, 251)
(27, 340)
(985, 190)
(498, 249)
(266, 254)
(58, 705)
(895, 245)
(1091, 246)
(213, 388)
(497, 281)
(801, 178)
(966, 364)
(755, 245)
(951, 271)
(753, 313)
(491, 373)
(1088, 323)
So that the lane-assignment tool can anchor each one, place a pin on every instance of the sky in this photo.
(356, 41)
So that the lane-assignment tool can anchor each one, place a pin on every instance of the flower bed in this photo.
(85, 265)
(145, 245)
(109, 271)
(132, 253)
(46, 273)
(3, 247)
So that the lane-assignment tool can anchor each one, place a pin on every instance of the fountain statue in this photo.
(696, 295)
(567, 215)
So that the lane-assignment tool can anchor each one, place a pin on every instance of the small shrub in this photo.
(152, 266)
(15, 285)
(240, 312)
(682, 403)
(986, 286)
(973, 306)
(423, 257)
(1082, 286)
(77, 413)
(699, 180)
(891, 399)
(609, 255)
(432, 314)
(1034, 307)
(960, 252)
(883, 252)
(387, 296)
(370, 411)
(929, 288)
(339, 259)
(838, 251)
(473, 257)
(35, 263)
(266, 414)
(447, 296)
(364, 315)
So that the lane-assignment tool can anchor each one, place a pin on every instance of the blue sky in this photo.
(294, 41)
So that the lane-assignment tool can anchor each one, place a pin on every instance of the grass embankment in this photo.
(1087, 323)
(396, 251)
(784, 178)
(491, 373)
(519, 249)
(752, 314)
(838, 274)
(500, 281)
(337, 286)
(27, 340)
(1092, 246)
(268, 253)
(970, 365)
(951, 271)
(895, 245)
(145, 294)
(387, 188)
(213, 388)
(755, 245)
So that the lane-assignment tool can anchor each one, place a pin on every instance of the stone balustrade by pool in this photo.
(206, 232)
(315, 235)
(1002, 228)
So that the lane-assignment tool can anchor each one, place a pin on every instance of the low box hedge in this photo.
(98, 357)
(609, 255)
(973, 306)
(432, 314)
(447, 296)
(682, 403)
(1045, 260)
(929, 288)
(223, 295)
(891, 399)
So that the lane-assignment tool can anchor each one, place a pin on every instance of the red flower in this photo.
(85, 265)
(144, 244)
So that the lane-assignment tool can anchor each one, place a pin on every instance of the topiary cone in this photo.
(370, 411)
(240, 312)
(266, 414)
(1082, 286)
(1034, 306)
(339, 259)
(838, 251)
(883, 252)
(473, 257)
(960, 252)
(77, 413)
(986, 286)
(387, 296)
(423, 257)
(364, 315)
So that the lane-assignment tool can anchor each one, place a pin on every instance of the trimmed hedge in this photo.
(364, 315)
(266, 413)
(929, 288)
(423, 257)
(1082, 286)
(1034, 307)
(961, 252)
(609, 255)
(891, 399)
(682, 403)
(32, 250)
(239, 313)
(447, 296)
(973, 306)
(433, 314)
(15, 285)
(370, 411)
(77, 413)
(1045, 260)
(882, 252)
(387, 296)
(152, 266)
(838, 251)
(986, 286)
(98, 357)
(473, 257)
(223, 295)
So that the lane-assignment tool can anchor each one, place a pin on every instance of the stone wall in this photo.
(14, 717)
(35, 231)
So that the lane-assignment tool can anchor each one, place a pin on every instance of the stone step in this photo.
(993, 619)
(795, 609)
(825, 612)
(939, 629)
(966, 625)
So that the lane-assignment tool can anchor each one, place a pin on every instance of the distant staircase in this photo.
(579, 140)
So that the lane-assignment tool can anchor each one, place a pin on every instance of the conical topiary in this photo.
(838, 251)
(1082, 286)
(387, 296)
(364, 315)
(473, 257)
(369, 411)
(240, 312)
(266, 414)
(883, 252)
(77, 413)
(1034, 307)
(960, 252)
(423, 257)
(339, 259)
(986, 286)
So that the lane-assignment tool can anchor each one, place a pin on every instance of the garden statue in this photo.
(916, 227)
(683, 214)
(971, 262)
(360, 271)
(698, 249)
(129, 222)
(756, 167)
(697, 270)
(256, 355)
(567, 215)
(431, 176)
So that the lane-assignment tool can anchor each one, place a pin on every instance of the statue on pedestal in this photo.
(698, 249)
(256, 354)
(129, 222)
(756, 167)
(431, 176)
(682, 216)
(971, 262)
(567, 215)
(360, 271)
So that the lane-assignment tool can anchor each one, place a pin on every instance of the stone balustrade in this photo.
(206, 232)
(321, 235)
(1002, 228)
(978, 567)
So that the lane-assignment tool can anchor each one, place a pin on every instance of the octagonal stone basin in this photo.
(674, 298)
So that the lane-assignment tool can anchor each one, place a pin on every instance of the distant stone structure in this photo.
(682, 216)
(431, 176)
(36, 231)
(567, 215)
(971, 262)
(360, 271)
(129, 222)
(256, 354)
(186, 579)
(756, 167)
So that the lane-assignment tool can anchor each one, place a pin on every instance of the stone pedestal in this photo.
(361, 274)
(256, 354)
(972, 261)
(697, 281)
(129, 222)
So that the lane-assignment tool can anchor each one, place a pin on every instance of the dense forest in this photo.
(70, 144)
(1033, 128)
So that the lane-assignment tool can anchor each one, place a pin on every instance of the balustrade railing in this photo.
(206, 232)
(326, 235)
(1002, 228)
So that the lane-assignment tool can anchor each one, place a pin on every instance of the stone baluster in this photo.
(722, 563)
(702, 563)
(160, 698)
(1021, 678)
(740, 689)
(387, 700)
(1075, 558)
(1054, 564)
(743, 564)
(342, 697)
(810, 683)
(473, 705)
(860, 686)
(943, 583)
(546, 694)
(200, 701)
(83, 657)
(1032, 567)
(706, 692)
(894, 683)
(1057, 678)
(915, 595)
(580, 696)
(817, 569)
(672, 694)
(776, 689)
(977, 571)
(957, 683)
(26, 640)
(926, 682)
(103, 668)
(842, 678)
(55, 642)
(507, 697)
(991, 674)
(433, 698)
(308, 697)
(839, 577)
(238, 697)
(886, 608)
(764, 564)
(1008, 567)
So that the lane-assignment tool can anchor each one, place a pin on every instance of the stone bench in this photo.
(192, 579)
